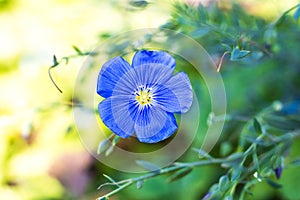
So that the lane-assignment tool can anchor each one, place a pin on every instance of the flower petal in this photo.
(145, 75)
(154, 125)
(153, 57)
(110, 74)
(175, 95)
(114, 112)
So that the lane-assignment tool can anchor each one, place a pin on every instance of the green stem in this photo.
(125, 183)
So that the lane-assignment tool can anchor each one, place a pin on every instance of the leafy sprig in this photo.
(260, 157)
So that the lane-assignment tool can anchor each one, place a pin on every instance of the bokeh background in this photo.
(41, 156)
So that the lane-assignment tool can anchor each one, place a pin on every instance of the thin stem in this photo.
(50, 76)
(130, 182)
(172, 168)
(221, 61)
(66, 59)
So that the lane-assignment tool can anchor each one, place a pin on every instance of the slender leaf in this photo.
(55, 62)
(223, 182)
(180, 174)
(77, 50)
(257, 126)
(139, 184)
(238, 54)
(202, 153)
(139, 3)
(109, 150)
(273, 184)
(103, 145)
(147, 165)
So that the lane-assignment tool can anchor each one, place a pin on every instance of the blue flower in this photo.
(141, 98)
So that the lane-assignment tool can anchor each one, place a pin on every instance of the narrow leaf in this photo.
(139, 3)
(109, 150)
(103, 145)
(115, 140)
(295, 162)
(233, 160)
(236, 173)
(238, 54)
(77, 50)
(257, 126)
(147, 165)
(139, 184)
(273, 184)
(202, 31)
(223, 181)
(202, 153)
(55, 62)
(255, 161)
(179, 174)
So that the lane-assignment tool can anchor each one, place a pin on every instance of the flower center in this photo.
(143, 96)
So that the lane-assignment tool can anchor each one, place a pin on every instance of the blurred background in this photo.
(41, 156)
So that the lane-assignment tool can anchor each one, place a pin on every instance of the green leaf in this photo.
(203, 13)
(77, 50)
(281, 122)
(179, 174)
(295, 162)
(297, 13)
(238, 54)
(55, 62)
(103, 145)
(202, 153)
(109, 150)
(115, 140)
(257, 126)
(273, 184)
(147, 165)
(236, 172)
(255, 161)
(234, 159)
(223, 182)
(139, 3)
(226, 47)
(139, 184)
(202, 31)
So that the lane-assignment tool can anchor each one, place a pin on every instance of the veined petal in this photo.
(154, 125)
(110, 74)
(175, 95)
(145, 75)
(153, 57)
(114, 112)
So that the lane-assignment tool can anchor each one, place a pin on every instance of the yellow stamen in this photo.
(144, 97)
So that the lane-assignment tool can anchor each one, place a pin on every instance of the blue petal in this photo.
(114, 112)
(145, 75)
(153, 57)
(110, 74)
(175, 95)
(154, 125)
